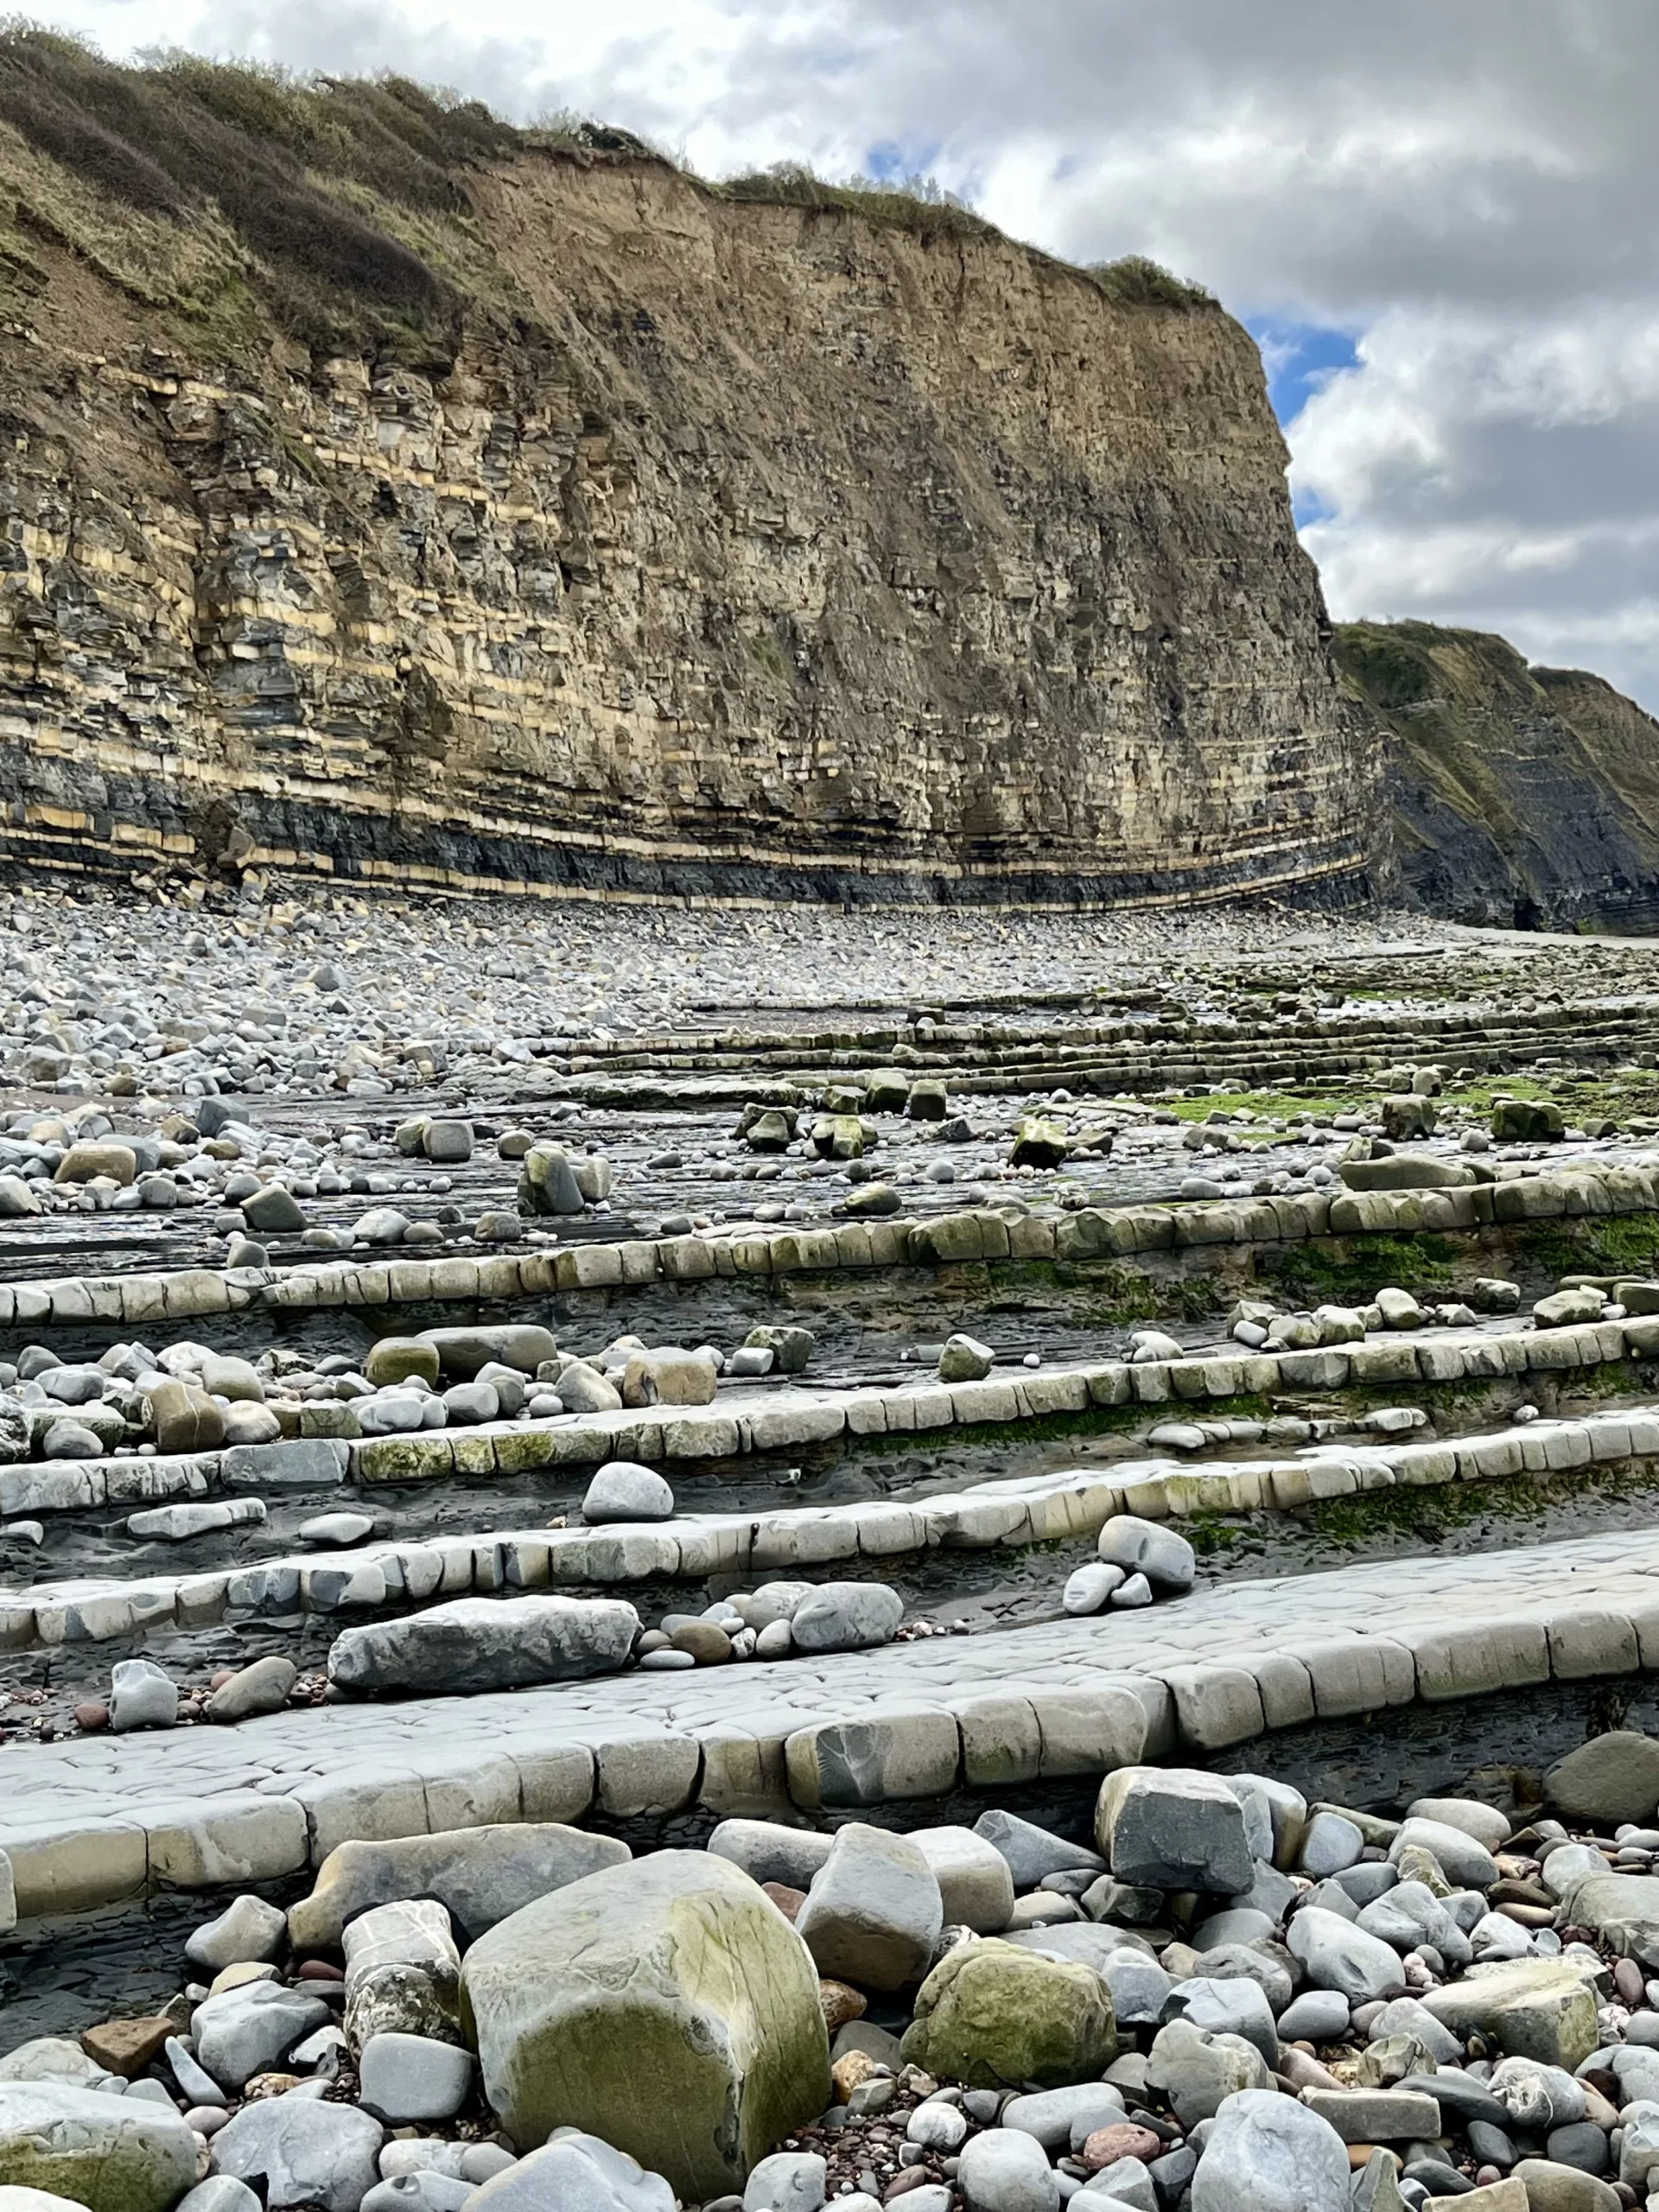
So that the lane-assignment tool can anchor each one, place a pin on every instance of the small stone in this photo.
(126, 2047)
(141, 1695)
(247, 1928)
(336, 1528)
(623, 1490)
(837, 1999)
(1003, 2171)
(403, 2078)
(964, 1359)
(1087, 1589)
(1122, 2139)
(261, 1687)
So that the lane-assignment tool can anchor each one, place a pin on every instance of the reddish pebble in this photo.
(788, 1902)
(92, 1716)
(318, 1970)
(1122, 2140)
(218, 1682)
(1628, 1981)
(911, 2177)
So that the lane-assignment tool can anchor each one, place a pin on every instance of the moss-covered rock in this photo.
(111, 2154)
(996, 2016)
(666, 2006)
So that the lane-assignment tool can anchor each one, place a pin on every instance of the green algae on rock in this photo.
(666, 2006)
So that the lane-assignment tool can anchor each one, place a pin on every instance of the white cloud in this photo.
(1466, 190)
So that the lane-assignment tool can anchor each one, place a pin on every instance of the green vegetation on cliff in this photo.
(341, 201)
(1523, 796)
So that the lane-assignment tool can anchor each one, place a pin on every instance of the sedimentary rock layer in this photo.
(714, 547)
(1523, 796)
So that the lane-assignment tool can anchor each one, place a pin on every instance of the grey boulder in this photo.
(261, 1687)
(1268, 2153)
(1006, 2170)
(481, 1643)
(418, 2192)
(1152, 1548)
(107, 2153)
(1174, 1828)
(1053, 2115)
(847, 1617)
(1466, 1863)
(576, 2173)
(789, 2181)
(874, 1913)
(1336, 1954)
(219, 2193)
(248, 1928)
(624, 1490)
(301, 2151)
(142, 1696)
(1612, 1778)
(244, 2032)
(403, 2078)
(479, 1875)
(769, 1851)
(1035, 1852)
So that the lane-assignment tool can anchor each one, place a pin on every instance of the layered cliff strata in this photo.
(678, 542)
(1527, 797)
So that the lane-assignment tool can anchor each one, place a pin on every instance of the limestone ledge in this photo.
(756, 1420)
(96, 1820)
(1034, 1510)
(942, 1240)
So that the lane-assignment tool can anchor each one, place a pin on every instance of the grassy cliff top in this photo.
(339, 204)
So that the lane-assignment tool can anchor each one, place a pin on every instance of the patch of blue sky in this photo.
(1300, 359)
(892, 161)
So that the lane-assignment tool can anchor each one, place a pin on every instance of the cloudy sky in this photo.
(1437, 216)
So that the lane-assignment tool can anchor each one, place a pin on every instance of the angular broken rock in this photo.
(482, 1643)
(873, 1912)
(1174, 1828)
(675, 1971)
(1198, 2071)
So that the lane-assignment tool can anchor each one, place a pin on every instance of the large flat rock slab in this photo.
(95, 1818)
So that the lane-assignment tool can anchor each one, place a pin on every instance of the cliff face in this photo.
(1527, 797)
(708, 546)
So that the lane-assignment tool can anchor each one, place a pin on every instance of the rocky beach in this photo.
(768, 1560)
